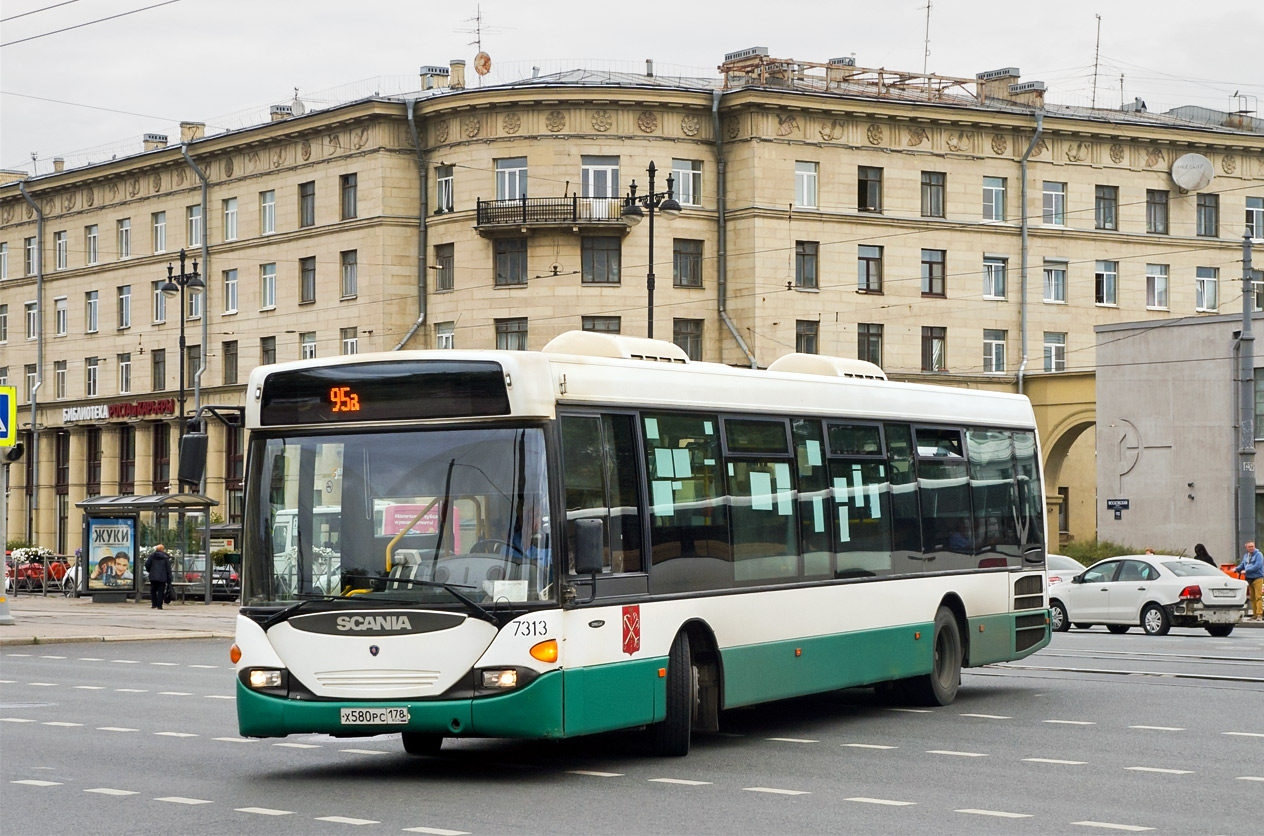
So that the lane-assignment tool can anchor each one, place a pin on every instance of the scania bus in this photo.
(606, 535)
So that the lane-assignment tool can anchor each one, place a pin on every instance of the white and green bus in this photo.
(605, 535)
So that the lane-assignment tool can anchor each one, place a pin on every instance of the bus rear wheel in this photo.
(671, 737)
(421, 743)
(939, 687)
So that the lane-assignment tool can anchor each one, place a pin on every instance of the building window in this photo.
(1054, 207)
(125, 306)
(1106, 283)
(994, 277)
(125, 238)
(160, 301)
(511, 334)
(347, 185)
(1106, 207)
(61, 250)
(348, 260)
(124, 374)
(869, 189)
(993, 351)
(32, 252)
(267, 350)
(267, 212)
(688, 181)
(267, 286)
(443, 189)
(61, 316)
(1206, 296)
(91, 244)
(161, 457)
(228, 349)
(869, 342)
(307, 203)
(93, 455)
(599, 259)
(193, 216)
(59, 379)
(4, 323)
(1055, 281)
(1055, 351)
(511, 261)
(934, 272)
(806, 333)
(349, 338)
(687, 262)
(230, 219)
(192, 365)
(687, 333)
(158, 369)
(1156, 287)
(4, 260)
(445, 266)
(869, 268)
(234, 471)
(32, 320)
(1156, 211)
(160, 231)
(1208, 215)
(90, 377)
(90, 312)
(805, 177)
(307, 345)
(599, 177)
(934, 349)
(127, 460)
(806, 254)
(993, 198)
(4, 375)
(307, 280)
(194, 305)
(31, 377)
(445, 335)
(933, 194)
(1254, 217)
(601, 324)
(230, 291)
(511, 178)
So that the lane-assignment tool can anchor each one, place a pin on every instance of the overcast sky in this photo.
(92, 91)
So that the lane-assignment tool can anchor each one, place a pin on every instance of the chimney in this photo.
(8, 175)
(152, 142)
(1030, 93)
(456, 80)
(994, 84)
(190, 131)
(840, 69)
(278, 113)
(1137, 105)
(433, 77)
(649, 67)
(59, 164)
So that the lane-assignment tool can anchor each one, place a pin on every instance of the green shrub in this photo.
(1091, 551)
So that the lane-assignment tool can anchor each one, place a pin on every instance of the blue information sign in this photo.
(8, 416)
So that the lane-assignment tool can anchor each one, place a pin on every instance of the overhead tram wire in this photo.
(88, 23)
(37, 11)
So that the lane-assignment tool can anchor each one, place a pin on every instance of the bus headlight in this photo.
(507, 678)
(265, 679)
(272, 681)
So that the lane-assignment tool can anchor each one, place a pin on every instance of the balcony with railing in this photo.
(573, 211)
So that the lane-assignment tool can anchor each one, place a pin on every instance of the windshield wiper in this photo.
(452, 588)
(307, 598)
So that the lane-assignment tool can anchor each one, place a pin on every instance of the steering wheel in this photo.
(492, 545)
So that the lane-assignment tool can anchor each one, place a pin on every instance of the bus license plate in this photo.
(374, 716)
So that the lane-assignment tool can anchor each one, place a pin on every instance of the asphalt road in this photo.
(1097, 733)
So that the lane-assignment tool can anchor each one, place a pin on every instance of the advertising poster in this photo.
(111, 554)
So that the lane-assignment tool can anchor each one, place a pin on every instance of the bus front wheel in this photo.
(420, 743)
(939, 687)
(670, 738)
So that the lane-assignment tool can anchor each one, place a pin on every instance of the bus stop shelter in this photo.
(112, 526)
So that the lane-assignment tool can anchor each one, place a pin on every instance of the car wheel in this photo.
(1059, 621)
(671, 737)
(421, 743)
(939, 687)
(1220, 630)
(1082, 626)
(1155, 621)
(1119, 629)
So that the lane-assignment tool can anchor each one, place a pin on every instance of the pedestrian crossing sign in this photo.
(8, 416)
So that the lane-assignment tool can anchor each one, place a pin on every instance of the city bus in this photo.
(606, 535)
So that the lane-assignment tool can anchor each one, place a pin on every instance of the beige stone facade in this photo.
(790, 185)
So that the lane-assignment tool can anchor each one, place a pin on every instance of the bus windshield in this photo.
(425, 516)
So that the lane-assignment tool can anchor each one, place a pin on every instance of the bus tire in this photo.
(422, 743)
(939, 687)
(671, 737)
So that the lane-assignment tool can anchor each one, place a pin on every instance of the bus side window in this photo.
(995, 493)
(1031, 500)
(599, 465)
(815, 523)
(905, 516)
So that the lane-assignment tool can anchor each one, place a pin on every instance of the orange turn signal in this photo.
(918, 635)
(545, 651)
(234, 654)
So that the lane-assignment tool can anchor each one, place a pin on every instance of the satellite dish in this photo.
(1193, 172)
(482, 63)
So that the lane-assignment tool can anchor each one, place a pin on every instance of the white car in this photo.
(1156, 591)
(1060, 567)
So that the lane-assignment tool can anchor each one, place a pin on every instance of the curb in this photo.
(33, 640)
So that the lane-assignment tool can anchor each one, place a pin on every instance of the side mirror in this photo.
(1078, 579)
(588, 546)
(192, 459)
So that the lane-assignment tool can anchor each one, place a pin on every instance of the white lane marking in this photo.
(52, 657)
(594, 774)
(1055, 760)
(884, 801)
(297, 745)
(346, 820)
(869, 746)
(998, 813)
(126, 661)
(220, 697)
(1156, 769)
(264, 811)
(174, 734)
(175, 694)
(19, 654)
(364, 751)
(90, 687)
(989, 716)
(911, 710)
(236, 739)
(59, 723)
(776, 791)
(179, 799)
(43, 684)
(1243, 734)
(31, 782)
(680, 781)
(131, 690)
(436, 831)
(793, 740)
(1109, 826)
(1072, 722)
(166, 664)
(1249, 778)
(115, 728)
(208, 667)
(956, 754)
(91, 659)
(1156, 728)
(110, 791)
(15, 720)
(8, 681)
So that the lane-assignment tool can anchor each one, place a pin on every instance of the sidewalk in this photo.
(57, 619)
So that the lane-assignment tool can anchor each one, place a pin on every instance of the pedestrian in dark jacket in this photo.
(1200, 553)
(158, 565)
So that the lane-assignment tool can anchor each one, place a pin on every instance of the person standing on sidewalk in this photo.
(1252, 568)
(158, 565)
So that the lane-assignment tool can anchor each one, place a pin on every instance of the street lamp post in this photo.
(175, 285)
(663, 202)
